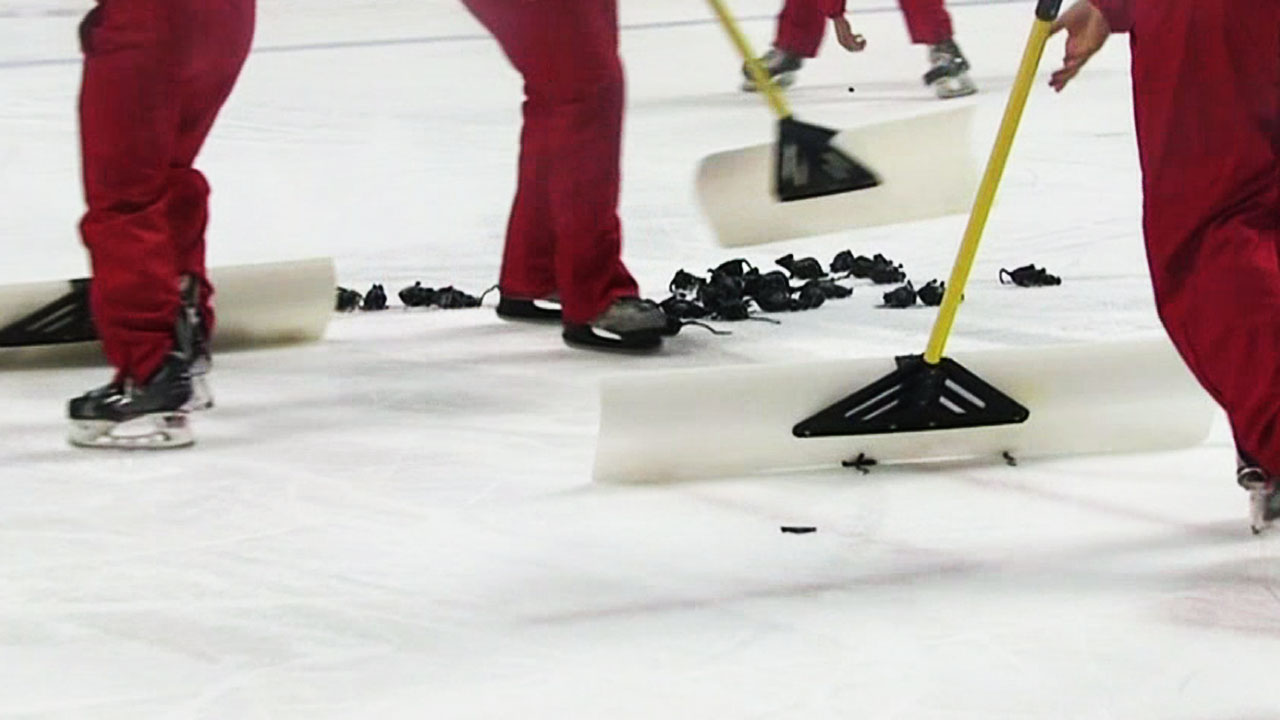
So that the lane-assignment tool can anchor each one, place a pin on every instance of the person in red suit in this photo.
(803, 23)
(564, 241)
(156, 73)
(1206, 91)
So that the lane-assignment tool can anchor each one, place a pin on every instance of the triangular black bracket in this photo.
(808, 166)
(65, 320)
(917, 396)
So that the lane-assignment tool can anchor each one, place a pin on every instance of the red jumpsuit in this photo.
(564, 234)
(803, 23)
(1206, 77)
(156, 72)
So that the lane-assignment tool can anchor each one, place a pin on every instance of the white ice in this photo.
(399, 521)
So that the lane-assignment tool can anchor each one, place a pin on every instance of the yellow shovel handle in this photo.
(987, 190)
(758, 73)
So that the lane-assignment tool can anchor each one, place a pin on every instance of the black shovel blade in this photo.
(808, 166)
(916, 397)
(64, 320)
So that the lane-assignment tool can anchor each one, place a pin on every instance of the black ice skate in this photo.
(529, 309)
(781, 66)
(153, 415)
(628, 325)
(1264, 495)
(202, 357)
(948, 71)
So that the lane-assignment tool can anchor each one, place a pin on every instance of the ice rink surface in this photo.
(399, 522)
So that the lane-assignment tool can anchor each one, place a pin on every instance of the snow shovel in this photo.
(806, 165)
(1124, 397)
(814, 180)
(258, 305)
(930, 391)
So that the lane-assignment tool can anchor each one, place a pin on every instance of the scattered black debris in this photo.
(802, 269)
(830, 289)
(734, 288)
(738, 267)
(932, 292)
(1029, 276)
(731, 309)
(413, 296)
(799, 529)
(843, 263)
(887, 273)
(732, 291)
(809, 297)
(879, 269)
(348, 300)
(450, 298)
(862, 463)
(682, 312)
(774, 300)
(758, 284)
(686, 285)
(901, 297)
(417, 296)
(375, 299)
(679, 308)
(722, 294)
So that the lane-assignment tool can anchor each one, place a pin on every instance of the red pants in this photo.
(1207, 95)
(564, 233)
(156, 73)
(803, 23)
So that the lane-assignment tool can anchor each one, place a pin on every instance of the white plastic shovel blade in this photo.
(733, 421)
(260, 304)
(924, 163)
(273, 303)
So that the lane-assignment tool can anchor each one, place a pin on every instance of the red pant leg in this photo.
(1207, 100)
(567, 51)
(127, 111)
(212, 67)
(801, 26)
(144, 111)
(927, 21)
(529, 257)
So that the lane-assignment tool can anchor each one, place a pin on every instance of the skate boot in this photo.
(202, 357)
(545, 309)
(1264, 495)
(153, 415)
(948, 71)
(630, 324)
(781, 66)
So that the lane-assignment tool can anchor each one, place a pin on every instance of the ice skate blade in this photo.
(956, 86)
(585, 337)
(1258, 510)
(529, 311)
(160, 431)
(782, 80)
